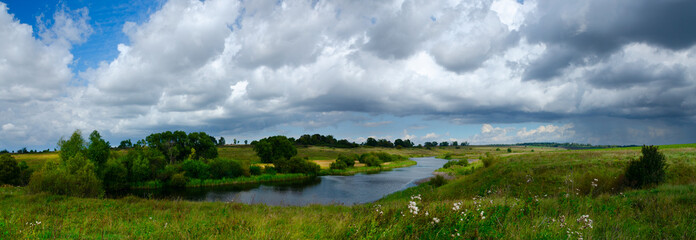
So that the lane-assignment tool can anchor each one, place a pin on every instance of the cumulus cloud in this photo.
(235, 67)
(545, 133)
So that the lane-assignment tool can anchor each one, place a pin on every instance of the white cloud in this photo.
(545, 133)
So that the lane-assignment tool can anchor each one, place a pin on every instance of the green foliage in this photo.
(296, 165)
(649, 169)
(76, 177)
(438, 180)
(255, 170)
(448, 156)
(338, 164)
(488, 160)
(347, 160)
(24, 173)
(273, 148)
(269, 170)
(509, 150)
(115, 176)
(195, 169)
(203, 144)
(9, 170)
(177, 146)
(462, 162)
(72, 146)
(372, 161)
(178, 180)
(98, 150)
(225, 168)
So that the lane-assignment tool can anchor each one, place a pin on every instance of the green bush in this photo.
(76, 177)
(462, 162)
(178, 180)
(195, 169)
(488, 160)
(509, 150)
(296, 165)
(9, 170)
(338, 164)
(448, 156)
(254, 170)
(269, 170)
(649, 169)
(225, 168)
(372, 161)
(438, 180)
(115, 176)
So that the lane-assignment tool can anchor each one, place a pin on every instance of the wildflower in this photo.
(456, 207)
(436, 220)
(426, 213)
(561, 220)
(585, 221)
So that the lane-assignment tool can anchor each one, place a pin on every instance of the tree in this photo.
(371, 142)
(649, 169)
(272, 148)
(444, 144)
(9, 170)
(455, 143)
(125, 144)
(98, 150)
(72, 146)
(245, 142)
(296, 165)
(221, 142)
(203, 145)
(115, 176)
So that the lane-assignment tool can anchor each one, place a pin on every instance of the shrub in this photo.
(438, 180)
(24, 173)
(349, 161)
(372, 161)
(509, 150)
(254, 170)
(296, 165)
(649, 169)
(195, 169)
(462, 162)
(269, 170)
(9, 170)
(448, 156)
(225, 168)
(115, 176)
(338, 164)
(488, 160)
(76, 177)
(178, 180)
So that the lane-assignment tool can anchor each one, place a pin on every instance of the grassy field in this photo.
(522, 195)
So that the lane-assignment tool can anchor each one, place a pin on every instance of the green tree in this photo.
(195, 169)
(68, 148)
(98, 150)
(272, 148)
(649, 169)
(9, 170)
(203, 144)
(115, 176)
(221, 142)
(225, 168)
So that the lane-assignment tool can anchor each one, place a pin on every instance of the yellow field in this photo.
(35, 160)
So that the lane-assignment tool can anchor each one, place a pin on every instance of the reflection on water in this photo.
(346, 190)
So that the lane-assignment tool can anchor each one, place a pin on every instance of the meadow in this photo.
(545, 194)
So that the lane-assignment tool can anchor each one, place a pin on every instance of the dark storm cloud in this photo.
(578, 31)
(625, 75)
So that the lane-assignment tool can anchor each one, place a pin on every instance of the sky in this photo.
(483, 71)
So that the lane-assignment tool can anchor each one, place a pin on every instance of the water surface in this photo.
(346, 190)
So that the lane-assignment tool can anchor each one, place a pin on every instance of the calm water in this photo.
(346, 190)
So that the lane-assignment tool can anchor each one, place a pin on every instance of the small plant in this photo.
(509, 150)
(438, 180)
(649, 169)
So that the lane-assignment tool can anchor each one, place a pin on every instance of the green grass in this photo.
(365, 169)
(523, 195)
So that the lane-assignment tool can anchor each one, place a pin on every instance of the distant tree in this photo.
(295, 165)
(509, 150)
(125, 144)
(245, 142)
(455, 143)
(98, 150)
(115, 176)
(221, 142)
(465, 143)
(203, 145)
(399, 143)
(234, 141)
(4, 151)
(23, 150)
(272, 148)
(371, 142)
(71, 147)
(444, 144)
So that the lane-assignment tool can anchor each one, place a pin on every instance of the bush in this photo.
(488, 160)
(448, 156)
(115, 176)
(509, 150)
(456, 163)
(438, 180)
(338, 164)
(254, 170)
(225, 168)
(178, 180)
(269, 170)
(296, 165)
(195, 169)
(272, 148)
(348, 161)
(9, 170)
(76, 177)
(372, 161)
(649, 169)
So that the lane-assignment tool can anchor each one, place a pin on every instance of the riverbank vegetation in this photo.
(555, 194)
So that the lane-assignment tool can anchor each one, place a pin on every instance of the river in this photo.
(344, 190)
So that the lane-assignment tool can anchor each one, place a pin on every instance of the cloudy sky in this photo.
(483, 71)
